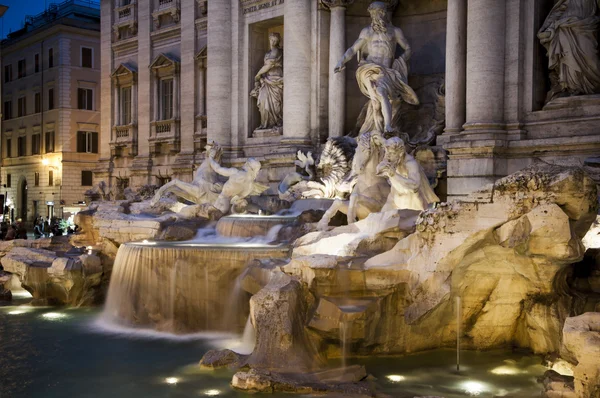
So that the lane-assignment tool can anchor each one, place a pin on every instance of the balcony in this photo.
(125, 18)
(124, 140)
(165, 133)
(164, 10)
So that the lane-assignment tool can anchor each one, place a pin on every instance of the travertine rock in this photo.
(581, 343)
(502, 251)
(72, 280)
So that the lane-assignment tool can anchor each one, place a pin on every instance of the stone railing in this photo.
(165, 132)
(125, 17)
(124, 141)
(166, 7)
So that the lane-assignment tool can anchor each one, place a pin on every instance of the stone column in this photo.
(219, 72)
(106, 118)
(201, 89)
(456, 66)
(116, 102)
(186, 108)
(486, 20)
(337, 81)
(296, 71)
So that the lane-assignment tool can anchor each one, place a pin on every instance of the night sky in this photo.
(17, 9)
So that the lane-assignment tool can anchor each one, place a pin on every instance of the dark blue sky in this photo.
(17, 9)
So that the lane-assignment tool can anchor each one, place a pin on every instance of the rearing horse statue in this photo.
(368, 190)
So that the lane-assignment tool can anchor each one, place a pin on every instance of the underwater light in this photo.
(395, 378)
(212, 393)
(171, 380)
(473, 388)
(17, 312)
(53, 315)
(506, 371)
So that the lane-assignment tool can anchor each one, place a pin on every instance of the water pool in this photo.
(51, 353)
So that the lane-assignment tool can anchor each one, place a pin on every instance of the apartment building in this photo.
(51, 102)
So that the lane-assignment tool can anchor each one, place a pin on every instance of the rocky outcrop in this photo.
(502, 251)
(70, 280)
(581, 344)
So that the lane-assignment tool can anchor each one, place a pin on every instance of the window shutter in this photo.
(81, 141)
(94, 142)
(90, 98)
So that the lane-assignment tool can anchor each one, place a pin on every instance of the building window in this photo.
(125, 3)
(37, 102)
(49, 141)
(50, 99)
(87, 58)
(36, 62)
(36, 144)
(36, 179)
(166, 99)
(87, 142)
(162, 180)
(7, 110)
(8, 180)
(21, 146)
(7, 73)
(21, 70)
(21, 107)
(50, 178)
(51, 58)
(86, 178)
(85, 98)
(125, 105)
(8, 147)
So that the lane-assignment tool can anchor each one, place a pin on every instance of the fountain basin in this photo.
(181, 287)
(250, 225)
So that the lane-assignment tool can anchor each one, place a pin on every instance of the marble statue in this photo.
(323, 180)
(240, 184)
(410, 187)
(383, 79)
(570, 36)
(206, 186)
(268, 86)
(368, 190)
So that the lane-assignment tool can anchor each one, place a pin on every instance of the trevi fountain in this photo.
(369, 266)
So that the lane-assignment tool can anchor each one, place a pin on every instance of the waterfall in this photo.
(179, 287)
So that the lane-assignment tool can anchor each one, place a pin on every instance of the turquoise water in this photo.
(51, 353)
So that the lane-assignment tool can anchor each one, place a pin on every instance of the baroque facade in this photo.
(180, 74)
(50, 107)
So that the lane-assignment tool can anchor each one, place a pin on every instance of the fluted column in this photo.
(485, 66)
(219, 72)
(186, 109)
(456, 66)
(297, 71)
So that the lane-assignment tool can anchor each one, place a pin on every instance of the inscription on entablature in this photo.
(250, 6)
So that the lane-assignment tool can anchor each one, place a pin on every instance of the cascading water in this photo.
(183, 287)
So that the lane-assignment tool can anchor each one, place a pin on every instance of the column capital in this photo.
(336, 3)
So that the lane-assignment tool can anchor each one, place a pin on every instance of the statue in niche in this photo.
(570, 36)
(368, 190)
(410, 187)
(383, 79)
(268, 87)
(205, 188)
(240, 184)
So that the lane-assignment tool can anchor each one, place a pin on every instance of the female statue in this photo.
(268, 86)
(569, 34)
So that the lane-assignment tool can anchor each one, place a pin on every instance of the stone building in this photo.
(51, 118)
(181, 73)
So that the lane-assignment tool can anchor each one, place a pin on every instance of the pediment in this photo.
(164, 61)
(124, 70)
(201, 54)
